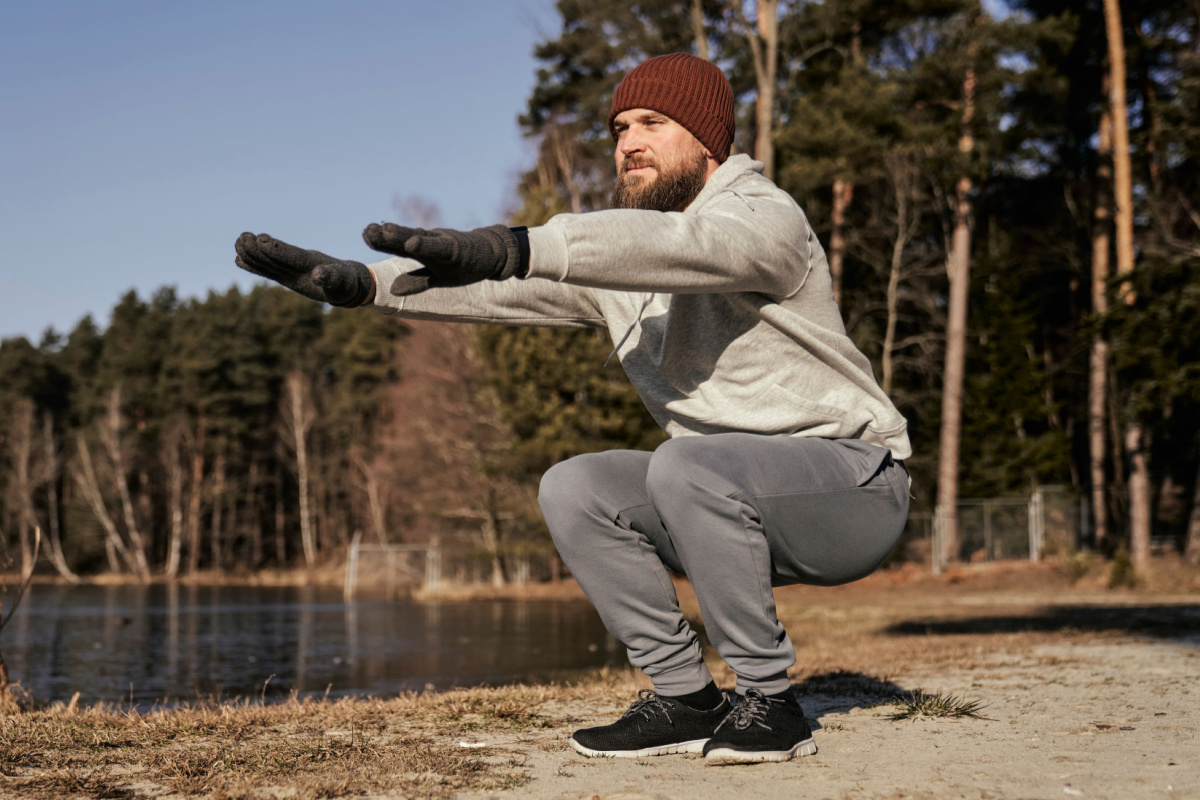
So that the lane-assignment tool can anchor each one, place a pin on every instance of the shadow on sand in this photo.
(841, 691)
(1178, 622)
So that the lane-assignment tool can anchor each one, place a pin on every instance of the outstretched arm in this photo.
(737, 244)
(308, 272)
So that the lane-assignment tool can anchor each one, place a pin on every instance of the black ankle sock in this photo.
(706, 699)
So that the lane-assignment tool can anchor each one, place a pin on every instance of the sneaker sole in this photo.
(694, 746)
(725, 755)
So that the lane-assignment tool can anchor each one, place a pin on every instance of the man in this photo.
(784, 462)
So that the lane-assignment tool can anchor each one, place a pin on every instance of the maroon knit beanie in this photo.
(691, 91)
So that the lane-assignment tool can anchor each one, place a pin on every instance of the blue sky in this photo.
(138, 139)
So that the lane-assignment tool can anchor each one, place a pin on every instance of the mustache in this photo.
(633, 162)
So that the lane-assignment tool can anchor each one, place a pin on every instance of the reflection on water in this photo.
(175, 643)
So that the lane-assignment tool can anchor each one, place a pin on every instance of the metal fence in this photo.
(1051, 521)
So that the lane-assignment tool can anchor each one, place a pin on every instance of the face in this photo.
(661, 166)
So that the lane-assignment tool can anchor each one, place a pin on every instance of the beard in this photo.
(672, 189)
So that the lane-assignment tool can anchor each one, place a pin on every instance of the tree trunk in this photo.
(21, 435)
(57, 555)
(216, 531)
(110, 437)
(764, 48)
(843, 194)
(197, 493)
(85, 477)
(175, 500)
(371, 486)
(1139, 496)
(697, 15)
(1139, 477)
(300, 420)
(901, 175)
(958, 268)
(254, 511)
(1098, 377)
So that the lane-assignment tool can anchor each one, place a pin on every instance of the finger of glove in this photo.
(253, 261)
(389, 237)
(436, 247)
(408, 283)
(271, 258)
(241, 262)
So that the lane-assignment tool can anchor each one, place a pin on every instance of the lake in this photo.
(166, 643)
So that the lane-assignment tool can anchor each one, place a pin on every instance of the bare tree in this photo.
(418, 211)
(1135, 438)
(170, 456)
(442, 451)
(21, 455)
(110, 429)
(698, 33)
(373, 487)
(902, 177)
(196, 496)
(1098, 361)
(958, 269)
(85, 478)
(50, 474)
(764, 51)
(298, 418)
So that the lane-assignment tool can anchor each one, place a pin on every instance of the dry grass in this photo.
(851, 642)
(297, 749)
(919, 703)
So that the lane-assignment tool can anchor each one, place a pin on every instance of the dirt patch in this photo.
(1080, 692)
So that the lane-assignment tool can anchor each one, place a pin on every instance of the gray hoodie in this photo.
(722, 314)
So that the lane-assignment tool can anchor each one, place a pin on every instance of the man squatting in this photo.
(784, 463)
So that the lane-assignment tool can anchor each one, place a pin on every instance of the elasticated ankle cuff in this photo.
(768, 686)
(682, 680)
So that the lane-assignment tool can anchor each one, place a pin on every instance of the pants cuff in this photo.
(682, 680)
(773, 684)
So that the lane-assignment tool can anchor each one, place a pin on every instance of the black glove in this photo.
(309, 272)
(452, 258)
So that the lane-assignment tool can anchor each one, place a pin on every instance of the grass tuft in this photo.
(919, 704)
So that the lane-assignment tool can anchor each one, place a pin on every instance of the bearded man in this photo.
(784, 463)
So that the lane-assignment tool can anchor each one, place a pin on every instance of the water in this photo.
(176, 643)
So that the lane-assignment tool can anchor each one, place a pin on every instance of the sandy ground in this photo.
(1080, 702)
(1088, 692)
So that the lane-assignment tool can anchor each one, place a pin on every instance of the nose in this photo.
(630, 141)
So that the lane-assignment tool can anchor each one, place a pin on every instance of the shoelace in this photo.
(647, 705)
(752, 709)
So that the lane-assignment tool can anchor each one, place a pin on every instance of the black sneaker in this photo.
(760, 728)
(653, 726)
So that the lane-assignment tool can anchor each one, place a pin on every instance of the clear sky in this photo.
(138, 138)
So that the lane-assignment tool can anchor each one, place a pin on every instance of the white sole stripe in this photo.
(694, 746)
(725, 755)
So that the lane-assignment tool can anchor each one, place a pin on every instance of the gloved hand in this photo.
(311, 273)
(450, 257)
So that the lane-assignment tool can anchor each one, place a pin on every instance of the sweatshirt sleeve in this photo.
(512, 302)
(737, 243)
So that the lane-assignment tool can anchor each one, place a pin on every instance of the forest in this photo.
(1008, 194)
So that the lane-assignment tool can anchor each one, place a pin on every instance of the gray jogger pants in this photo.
(737, 513)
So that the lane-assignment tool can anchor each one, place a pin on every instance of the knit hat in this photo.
(691, 91)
